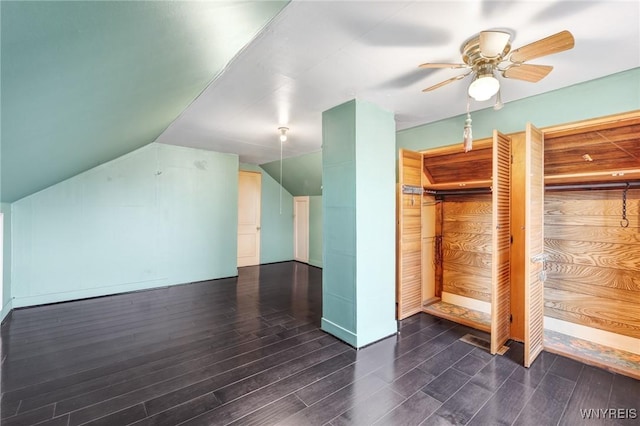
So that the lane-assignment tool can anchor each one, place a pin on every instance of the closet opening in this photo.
(454, 235)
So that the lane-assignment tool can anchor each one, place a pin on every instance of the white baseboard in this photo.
(467, 302)
(595, 335)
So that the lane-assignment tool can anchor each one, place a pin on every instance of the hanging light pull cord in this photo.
(467, 135)
(281, 177)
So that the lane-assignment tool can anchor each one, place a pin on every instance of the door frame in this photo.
(298, 237)
(243, 261)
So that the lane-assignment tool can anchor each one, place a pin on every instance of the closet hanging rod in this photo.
(594, 186)
(467, 191)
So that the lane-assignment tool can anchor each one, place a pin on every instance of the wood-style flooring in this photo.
(249, 351)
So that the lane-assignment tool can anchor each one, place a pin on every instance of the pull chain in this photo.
(624, 223)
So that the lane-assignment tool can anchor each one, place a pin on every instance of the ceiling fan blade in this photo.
(527, 72)
(441, 65)
(547, 46)
(492, 43)
(443, 83)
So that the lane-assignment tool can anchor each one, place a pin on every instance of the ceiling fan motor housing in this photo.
(472, 54)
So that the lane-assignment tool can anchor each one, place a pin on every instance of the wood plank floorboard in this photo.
(248, 350)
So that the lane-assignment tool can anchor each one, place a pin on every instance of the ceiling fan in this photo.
(489, 52)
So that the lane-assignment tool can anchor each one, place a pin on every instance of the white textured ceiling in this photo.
(318, 54)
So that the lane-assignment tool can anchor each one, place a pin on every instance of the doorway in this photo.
(301, 229)
(249, 193)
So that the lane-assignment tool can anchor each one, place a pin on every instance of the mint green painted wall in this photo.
(375, 223)
(339, 222)
(7, 304)
(315, 231)
(605, 96)
(358, 222)
(276, 233)
(160, 215)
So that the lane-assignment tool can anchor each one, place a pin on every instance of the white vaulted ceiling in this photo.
(318, 54)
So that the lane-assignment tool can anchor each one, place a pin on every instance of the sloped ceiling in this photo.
(300, 175)
(85, 82)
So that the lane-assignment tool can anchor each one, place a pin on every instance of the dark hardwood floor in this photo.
(249, 351)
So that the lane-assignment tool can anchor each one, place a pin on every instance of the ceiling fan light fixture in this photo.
(483, 87)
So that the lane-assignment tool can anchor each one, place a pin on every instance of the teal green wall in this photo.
(315, 231)
(6, 305)
(605, 96)
(6, 262)
(358, 166)
(375, 223)
(160, 215)
(276, 233)
(339, 227)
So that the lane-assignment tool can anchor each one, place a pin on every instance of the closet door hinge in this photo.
(511, 239)
(510, 317)
(511, 158)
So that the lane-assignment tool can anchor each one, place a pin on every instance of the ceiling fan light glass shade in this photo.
(484, 87)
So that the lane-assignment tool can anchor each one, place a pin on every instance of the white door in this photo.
(249, 190)
(301, 229)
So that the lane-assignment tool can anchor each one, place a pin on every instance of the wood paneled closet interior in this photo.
(532, 236)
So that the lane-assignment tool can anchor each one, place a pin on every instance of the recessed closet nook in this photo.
(532, 236)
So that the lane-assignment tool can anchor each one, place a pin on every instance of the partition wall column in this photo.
(358, 178)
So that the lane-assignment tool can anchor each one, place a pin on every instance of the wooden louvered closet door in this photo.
(534, 244)
(409, 235)
(500, 261)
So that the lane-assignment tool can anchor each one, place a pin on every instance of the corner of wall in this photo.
(7, 300)
(6, 310)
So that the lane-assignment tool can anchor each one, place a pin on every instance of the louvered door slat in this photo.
(500, 262)
(534, 244)
(409, 235)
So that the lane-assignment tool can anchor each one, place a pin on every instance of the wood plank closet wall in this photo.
(467, 246)
(593, 269)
